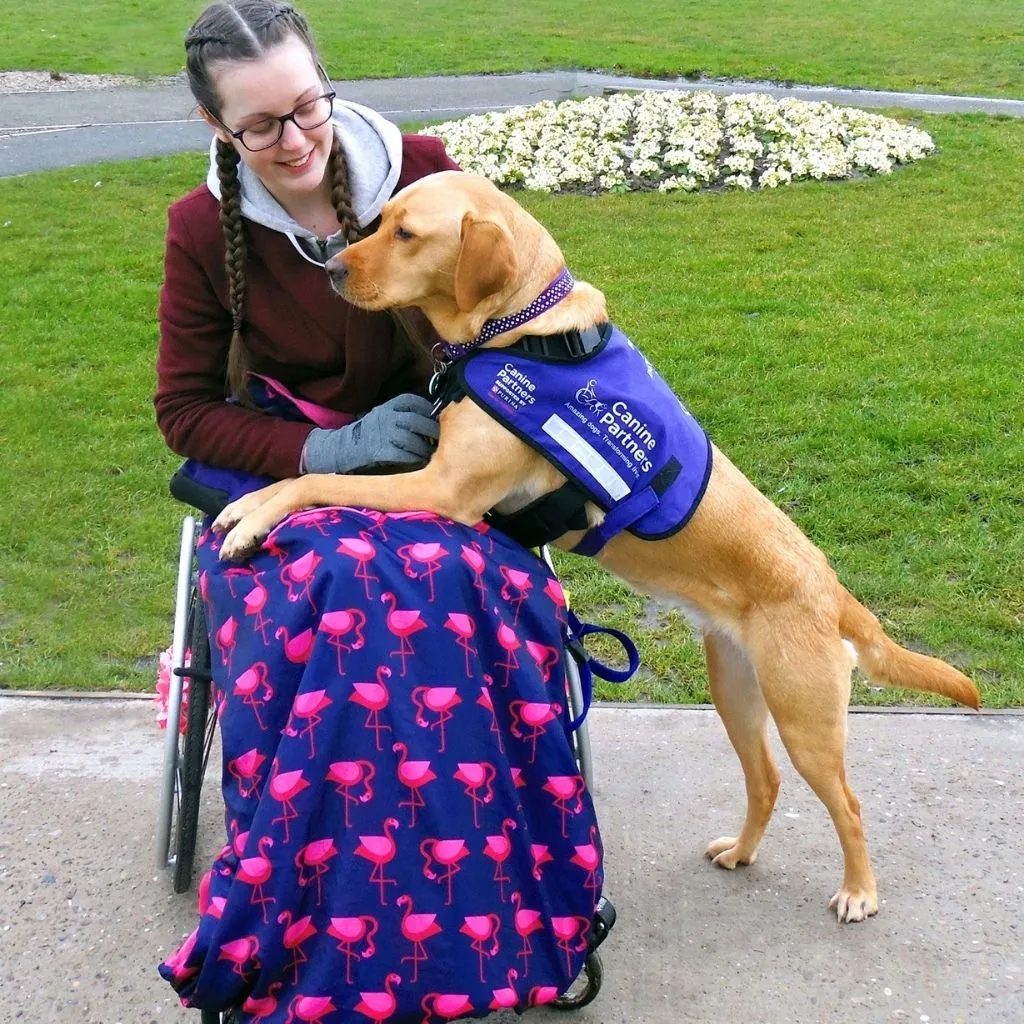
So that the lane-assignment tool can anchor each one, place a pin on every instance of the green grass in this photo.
(854, 347)
(975, 46)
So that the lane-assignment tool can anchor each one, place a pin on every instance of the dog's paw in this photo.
(234, 513)
(725, 853)
(853, 905)
(243, 541)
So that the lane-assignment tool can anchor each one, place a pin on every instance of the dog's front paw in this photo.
(854, 903)
(726, 853)
(235, 512)
(244, 540)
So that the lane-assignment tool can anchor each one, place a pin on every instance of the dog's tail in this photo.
(884, 662)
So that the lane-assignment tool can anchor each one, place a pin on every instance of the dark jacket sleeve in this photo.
(195, 331)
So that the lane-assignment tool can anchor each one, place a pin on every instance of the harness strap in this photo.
(546, 518)
(589, 666)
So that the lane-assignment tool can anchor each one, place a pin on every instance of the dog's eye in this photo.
(402, 235)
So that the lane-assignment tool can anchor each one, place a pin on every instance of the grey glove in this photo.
(398, 433)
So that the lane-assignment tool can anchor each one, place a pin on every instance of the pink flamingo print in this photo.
(378, 1006)
(225, 640)
(339, 624)
(485, 701)
(566, 930)
(527, 922)
(308, 706)
(473, 556)
(588, 858)
(298, 576)
(482, 928)
(255, 601)
(427, 554)
(448, 853)
(421, 516)
(403, 624)
(376, 517)
(474, 776)
(315, 517)
(463, 627)
(417, 928)
(517, 778)
(350, 932)
(545, 658)
(498, 849)
(256, 871)
(516, 588)
(271, 547)
(246, 769)
(247, 686)
(295, 934)
(447, 1006)
(506, 998)
(439, 700)
(536, 715)
(240, 952)
(298, 648)
(346, 775)
(178, 961)
(309, 1009)
(510, 642)
(233, 573)
(260, 1008)
(379, 850)
(484, 530)
(284, 788)
(541, 994)
(557, 595)
(566, 789)
(414, 775)
(360, 548)
(315, 855)
(541, 856)
(374, 697)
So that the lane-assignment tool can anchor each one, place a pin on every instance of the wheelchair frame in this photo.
(185, 758)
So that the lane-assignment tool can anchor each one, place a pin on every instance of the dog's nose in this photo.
(337, 272)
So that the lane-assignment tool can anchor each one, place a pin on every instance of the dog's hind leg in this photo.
(807, 685)
(744, 713)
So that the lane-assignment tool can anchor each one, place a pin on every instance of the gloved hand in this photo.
(398, 433)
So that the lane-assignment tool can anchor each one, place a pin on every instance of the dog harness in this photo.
(592, 404)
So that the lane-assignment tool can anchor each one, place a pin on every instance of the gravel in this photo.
(57, 81)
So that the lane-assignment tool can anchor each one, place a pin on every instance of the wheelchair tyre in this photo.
(195, 748)
(585, 988)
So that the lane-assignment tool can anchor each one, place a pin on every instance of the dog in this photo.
(781, 633)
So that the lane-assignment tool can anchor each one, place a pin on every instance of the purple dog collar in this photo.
(551, 296)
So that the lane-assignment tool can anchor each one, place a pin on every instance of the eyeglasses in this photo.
(268, 132)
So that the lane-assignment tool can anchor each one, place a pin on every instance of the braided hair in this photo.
(226, 31)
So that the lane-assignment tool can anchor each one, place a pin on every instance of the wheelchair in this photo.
(187, 752)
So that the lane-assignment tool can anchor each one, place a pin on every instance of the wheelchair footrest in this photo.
(604, 921)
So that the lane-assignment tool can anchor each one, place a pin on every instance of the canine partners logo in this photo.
(587, 397)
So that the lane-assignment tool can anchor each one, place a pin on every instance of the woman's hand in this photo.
(398, 433)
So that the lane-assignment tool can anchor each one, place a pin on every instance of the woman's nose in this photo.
(292, 136)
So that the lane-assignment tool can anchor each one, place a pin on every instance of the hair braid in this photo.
(234, 261)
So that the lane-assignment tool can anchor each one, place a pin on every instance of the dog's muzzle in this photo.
(337, 272)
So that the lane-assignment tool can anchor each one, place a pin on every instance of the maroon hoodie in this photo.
(297, 330)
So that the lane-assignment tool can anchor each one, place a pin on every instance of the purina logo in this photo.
(588, 397)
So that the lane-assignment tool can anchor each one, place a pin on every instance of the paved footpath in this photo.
(85, 916)
(44, 130)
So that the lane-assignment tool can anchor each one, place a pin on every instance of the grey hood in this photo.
(373, 149)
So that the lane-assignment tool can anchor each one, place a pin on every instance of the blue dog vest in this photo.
(609, 422)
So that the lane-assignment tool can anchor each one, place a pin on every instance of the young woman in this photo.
(408, 836)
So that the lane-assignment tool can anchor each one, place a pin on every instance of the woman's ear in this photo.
(487, 262)
(213, 123)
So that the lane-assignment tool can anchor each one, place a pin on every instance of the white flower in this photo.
(676, 141)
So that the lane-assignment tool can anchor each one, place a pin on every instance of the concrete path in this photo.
(85, 917)
(45, 130)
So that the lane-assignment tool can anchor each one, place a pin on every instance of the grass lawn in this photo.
(930, 45)
(855, 347)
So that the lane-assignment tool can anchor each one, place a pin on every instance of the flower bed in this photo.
(677, 141)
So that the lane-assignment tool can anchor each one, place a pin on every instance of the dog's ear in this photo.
(487, 262)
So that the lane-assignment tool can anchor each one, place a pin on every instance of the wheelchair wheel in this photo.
(585, 988)
(195, 746)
